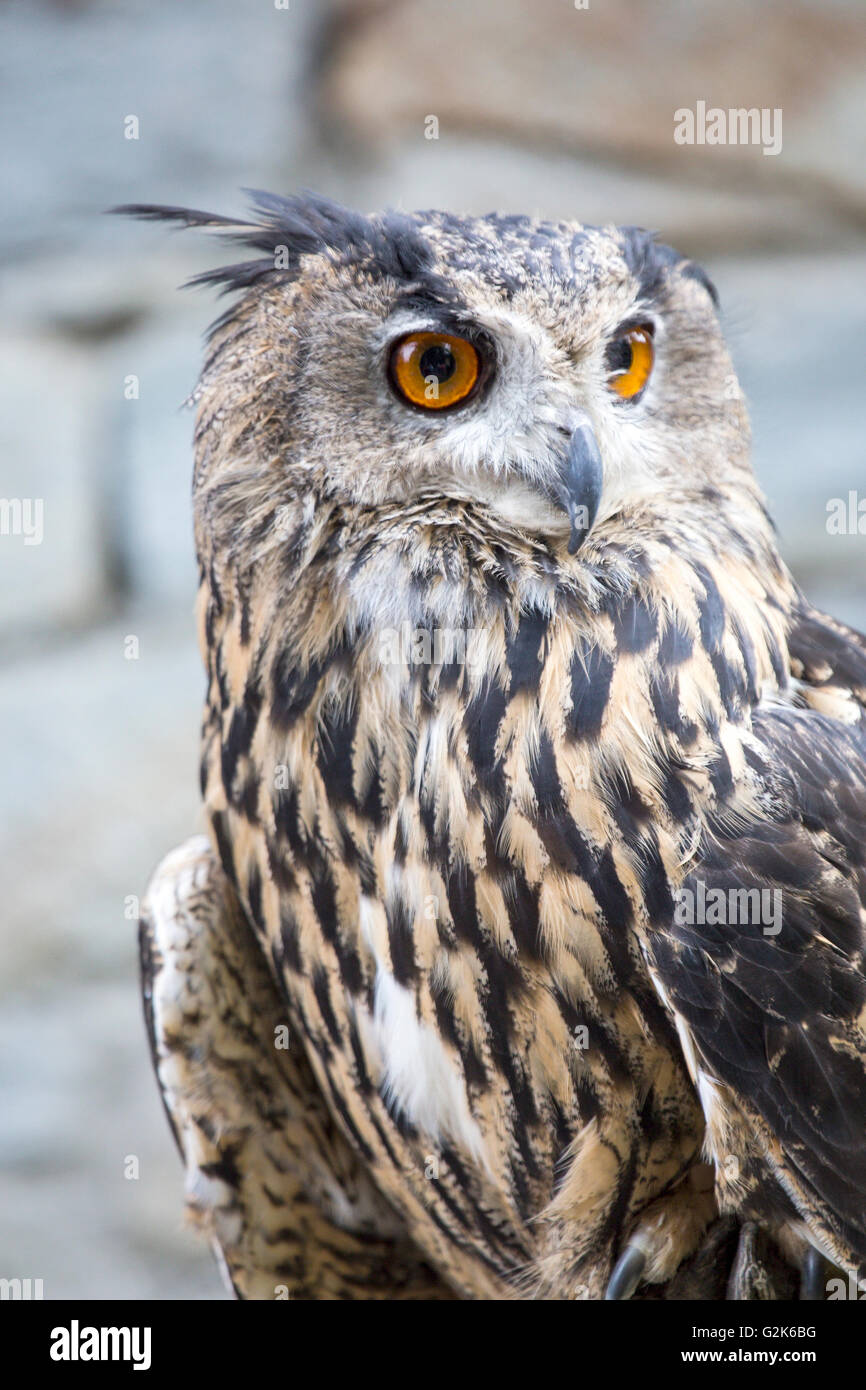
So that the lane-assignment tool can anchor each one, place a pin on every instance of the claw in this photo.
(626, 1273)
(812, 1280)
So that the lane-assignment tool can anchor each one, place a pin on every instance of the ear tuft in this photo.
(650, 260)
(286, 229)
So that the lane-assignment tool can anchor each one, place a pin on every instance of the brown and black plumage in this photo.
(496, 679)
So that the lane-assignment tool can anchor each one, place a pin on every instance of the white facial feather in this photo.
(507, 451)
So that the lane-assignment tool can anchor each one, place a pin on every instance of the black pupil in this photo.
(619, 355)
(437, 361)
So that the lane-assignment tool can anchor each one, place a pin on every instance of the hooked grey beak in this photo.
(578, 485)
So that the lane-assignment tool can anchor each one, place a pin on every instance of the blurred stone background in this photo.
(542, 106)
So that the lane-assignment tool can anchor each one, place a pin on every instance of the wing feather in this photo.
(269, 1180)
(776, 1007)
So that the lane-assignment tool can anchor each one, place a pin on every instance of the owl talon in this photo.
(812, 1282)
(626, 1273)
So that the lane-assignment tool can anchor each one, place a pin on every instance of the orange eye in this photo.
(434, 370)
(630, 359)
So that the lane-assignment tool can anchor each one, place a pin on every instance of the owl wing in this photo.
(284, 1202)
(772, 1013)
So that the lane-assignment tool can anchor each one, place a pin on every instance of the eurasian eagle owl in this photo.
(524, 953)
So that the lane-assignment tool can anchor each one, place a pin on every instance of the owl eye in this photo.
(434, 370)
(630, 360)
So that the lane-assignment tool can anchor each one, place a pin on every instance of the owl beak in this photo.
(577, 488)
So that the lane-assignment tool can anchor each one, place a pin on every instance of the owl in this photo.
(523, 955)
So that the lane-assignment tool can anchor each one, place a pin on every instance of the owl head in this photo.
(561, 379)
